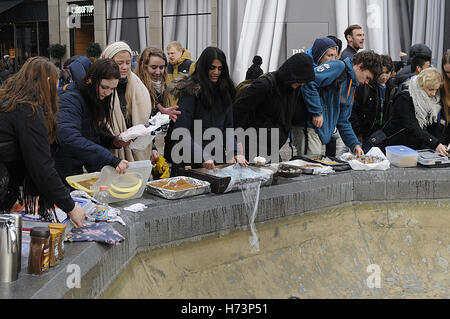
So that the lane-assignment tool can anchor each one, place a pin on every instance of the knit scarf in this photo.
(157, 86)
(426, 108)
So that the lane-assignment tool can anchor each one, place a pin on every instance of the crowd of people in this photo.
(58, 123)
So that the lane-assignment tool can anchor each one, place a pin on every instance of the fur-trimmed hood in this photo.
(184, 86)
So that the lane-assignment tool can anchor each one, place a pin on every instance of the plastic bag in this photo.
(159, 119)
(99, 232)
(250, 193)
(243, 175)
(374, 152)
(161, 170)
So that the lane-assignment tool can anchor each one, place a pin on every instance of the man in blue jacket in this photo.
(329, 98)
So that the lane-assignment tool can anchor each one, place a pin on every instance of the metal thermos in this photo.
(9, 249)
(18, 223)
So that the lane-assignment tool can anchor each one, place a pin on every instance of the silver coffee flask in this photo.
(9, 249)
(18, 223)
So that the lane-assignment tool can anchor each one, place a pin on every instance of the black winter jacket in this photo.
(367, 108)
(80, 143)
(404, 117)
(266, 103)
(25, 151)
(192, 109)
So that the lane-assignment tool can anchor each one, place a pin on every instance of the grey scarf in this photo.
(426, 108)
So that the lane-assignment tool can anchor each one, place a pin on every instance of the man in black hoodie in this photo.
(270, 102)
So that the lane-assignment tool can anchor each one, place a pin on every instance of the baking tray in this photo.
(218, 184)
(203, 187)
(341, 166)
(432, 159)
(289, 171)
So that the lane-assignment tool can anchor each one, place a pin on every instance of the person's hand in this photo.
(358, 151)
(442, 149)
(154, 156)
(241, 160)
(119, 143)
(209, 165)
(317, 121)
(172, 111)
(77, 215)
(403, 54)
(122, 167)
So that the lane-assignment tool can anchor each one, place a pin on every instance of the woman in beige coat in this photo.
(131, 104)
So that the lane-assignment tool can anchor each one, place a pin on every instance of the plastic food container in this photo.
(430, 158)
(402, 156)
(127, 186)
(84, 182)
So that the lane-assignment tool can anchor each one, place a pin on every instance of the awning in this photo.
(8, 4)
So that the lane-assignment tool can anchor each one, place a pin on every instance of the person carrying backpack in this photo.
(329, 98)
(269, 102)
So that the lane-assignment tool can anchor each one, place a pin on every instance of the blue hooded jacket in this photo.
(335, 106)
(80, 144)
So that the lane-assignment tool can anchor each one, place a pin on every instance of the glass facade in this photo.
(24, 31)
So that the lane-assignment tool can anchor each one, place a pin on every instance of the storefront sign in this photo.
(87, 10)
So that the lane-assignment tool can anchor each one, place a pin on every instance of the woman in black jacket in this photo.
(28, 107)
(416, 112)
(206, 95)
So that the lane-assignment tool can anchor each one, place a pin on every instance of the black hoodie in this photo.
(270, 101)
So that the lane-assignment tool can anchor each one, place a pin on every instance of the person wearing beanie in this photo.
(269, 103)
(131, 102)
(254, 71)
(323, 50)
(329, 100)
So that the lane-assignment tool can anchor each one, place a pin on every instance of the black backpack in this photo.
(246, 83)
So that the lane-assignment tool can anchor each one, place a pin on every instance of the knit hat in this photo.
(297, 69)
(114, 48)
(320, 47)
(257, 60)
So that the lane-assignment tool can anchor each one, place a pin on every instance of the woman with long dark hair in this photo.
(206, 96)
(28, 108)
(84, 120)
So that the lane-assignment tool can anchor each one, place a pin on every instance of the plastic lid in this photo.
(41, 232)
(401, 150)
(103, 188)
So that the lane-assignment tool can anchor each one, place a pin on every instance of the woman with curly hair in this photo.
(28, 108)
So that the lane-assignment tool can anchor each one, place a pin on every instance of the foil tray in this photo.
(203, 187)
